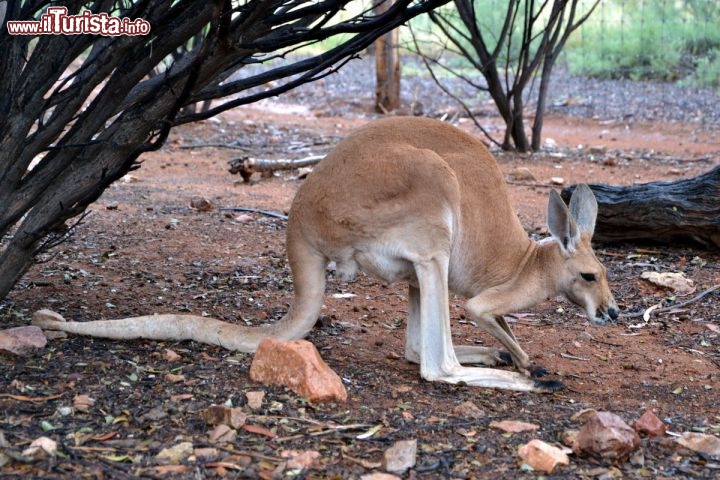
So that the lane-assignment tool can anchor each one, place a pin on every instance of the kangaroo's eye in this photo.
(588, 277)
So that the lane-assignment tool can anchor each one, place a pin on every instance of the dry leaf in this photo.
(176, 453)
(222, 434)
(40, 447)
(259, 430)
(174, 378)
(300, 458)
(171, 355)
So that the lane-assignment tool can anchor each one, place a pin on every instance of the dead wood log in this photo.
(246, 166)
(685, 211)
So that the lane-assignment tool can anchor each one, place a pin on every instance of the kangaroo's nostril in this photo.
(614, 314)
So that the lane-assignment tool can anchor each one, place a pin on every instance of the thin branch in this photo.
(269, 213)
(675, 306)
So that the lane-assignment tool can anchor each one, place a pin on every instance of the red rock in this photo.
(701, 443)
(605, 435)
(22, 341)
(297, 365)
(542, 456)
(649, 424)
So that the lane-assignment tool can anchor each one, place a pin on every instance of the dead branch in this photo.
(697, 297)
(246, 166)
(214, 145)
(686, 210)
(254, 210)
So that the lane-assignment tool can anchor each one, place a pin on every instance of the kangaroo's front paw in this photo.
(537, 371)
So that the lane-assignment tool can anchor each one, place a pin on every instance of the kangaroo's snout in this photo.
(605, 316)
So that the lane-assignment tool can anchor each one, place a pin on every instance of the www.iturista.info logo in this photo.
(56, 21)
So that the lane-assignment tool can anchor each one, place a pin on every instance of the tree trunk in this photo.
(536, 139)
(387, 66)
(686, 210)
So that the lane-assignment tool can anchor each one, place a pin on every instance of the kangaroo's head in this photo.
(581, 278)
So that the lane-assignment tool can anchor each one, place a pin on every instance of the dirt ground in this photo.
(143, 250)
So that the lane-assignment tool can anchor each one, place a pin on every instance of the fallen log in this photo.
(682, 211)
(246, 166)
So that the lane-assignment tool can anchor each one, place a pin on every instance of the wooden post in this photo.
(387, 65)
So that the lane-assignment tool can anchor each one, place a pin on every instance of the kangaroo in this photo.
(417, 200)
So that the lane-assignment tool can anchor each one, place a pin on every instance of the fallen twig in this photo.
(24, 398)
(254, 210)
(602, 341)
(327, 430)
(246, 166)
(215, 145)
(672, 307)
(573, 357)
(530, 184)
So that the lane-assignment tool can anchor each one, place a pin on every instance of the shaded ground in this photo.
(143, 250)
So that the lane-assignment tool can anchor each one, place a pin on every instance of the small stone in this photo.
(175, 454)
(83, 402)
(206, 453)
(542, 456)
(522, 174)
(297, 365)
(22, 341)
(222, 415)
(598, 149)
(605, 435)
(550, 143)
(649, 424)
(557, 181)
(584, 415)
(468, 410)
(112, 206)
(201, 204)
(244, 218)
(379, 476)
(130, 179)
(610, 161)
(568, 437)
(255, 399)
(400, 457)
(514, 426)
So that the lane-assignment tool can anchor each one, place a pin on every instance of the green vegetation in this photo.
(647, 39)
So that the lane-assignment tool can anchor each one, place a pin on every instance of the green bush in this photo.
(644, 39)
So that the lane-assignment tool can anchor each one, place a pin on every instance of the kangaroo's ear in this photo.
(561, 224)
(584, 208)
